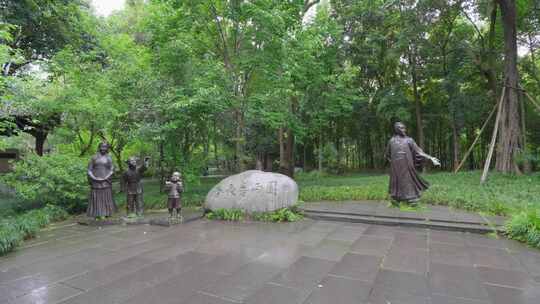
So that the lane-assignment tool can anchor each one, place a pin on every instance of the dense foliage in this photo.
(55, 179)
(278, 84)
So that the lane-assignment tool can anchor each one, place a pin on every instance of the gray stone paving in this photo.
(308, 262)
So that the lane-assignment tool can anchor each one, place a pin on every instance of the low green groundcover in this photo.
(525, 227)
(280, 215)
(14, 230)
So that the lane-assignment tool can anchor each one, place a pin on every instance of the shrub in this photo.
(10, 237)
(280, 215)
(55, 213)
(525, 227)
(55, 179)
(226, 214)
(16, 229)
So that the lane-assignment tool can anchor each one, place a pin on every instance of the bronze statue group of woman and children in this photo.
(405, 185)
(101, 202)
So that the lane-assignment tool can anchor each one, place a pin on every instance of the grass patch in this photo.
(193, 195)
(501, 195)
(14, 230)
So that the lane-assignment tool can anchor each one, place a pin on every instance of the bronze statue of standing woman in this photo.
(100, 170)
(406, 185)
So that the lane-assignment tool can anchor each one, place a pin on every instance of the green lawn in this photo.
(194, 194)
(501, 195)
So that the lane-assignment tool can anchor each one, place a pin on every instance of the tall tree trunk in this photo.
(290, 153)
(161, 163)
(490, 72)
(417, 101)
(339, 150)
(259, 162)
(470, 140)
(214, 138)
(268, 162)
(510, 131)
(455, 145)
(370, 161)
(527, 169)
(320, 152)
(304, 156)
(40, 142)
(239, 146)
(286, 143)
(286, 146)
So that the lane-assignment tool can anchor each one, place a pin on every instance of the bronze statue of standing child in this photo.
(175, 187)
(131, 184)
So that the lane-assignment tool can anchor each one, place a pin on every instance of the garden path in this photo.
(205, 262)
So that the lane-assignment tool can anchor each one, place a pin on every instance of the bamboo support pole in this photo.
(493, 138)
(476, 139)
(533, 101)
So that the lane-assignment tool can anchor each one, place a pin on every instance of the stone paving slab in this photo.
(212, 262)
(379, 212)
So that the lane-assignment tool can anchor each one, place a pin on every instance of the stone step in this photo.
(405, 216)
(400, 221)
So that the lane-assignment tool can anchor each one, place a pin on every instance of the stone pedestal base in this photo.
(94, 222)
(135, 220)
(186, 218)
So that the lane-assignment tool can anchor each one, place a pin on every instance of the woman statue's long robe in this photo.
(405, 182)
(100, 200)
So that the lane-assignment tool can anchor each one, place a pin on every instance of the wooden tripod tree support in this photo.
(494, 136)
(495, 107)
(476, 139)
(533, 101)
(493, 139)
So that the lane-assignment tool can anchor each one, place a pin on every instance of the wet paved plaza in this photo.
(315, 262)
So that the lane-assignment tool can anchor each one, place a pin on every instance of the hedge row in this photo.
(14, 230)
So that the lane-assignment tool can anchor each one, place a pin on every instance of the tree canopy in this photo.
(274, 85)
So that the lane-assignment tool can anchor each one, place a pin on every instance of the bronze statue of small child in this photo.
(175, 187)
(131, 184)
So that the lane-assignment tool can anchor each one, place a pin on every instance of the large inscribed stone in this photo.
(253, 191)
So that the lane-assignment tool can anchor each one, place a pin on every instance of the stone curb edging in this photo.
(396, 221)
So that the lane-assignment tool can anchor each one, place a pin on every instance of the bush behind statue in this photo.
(56, 179)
